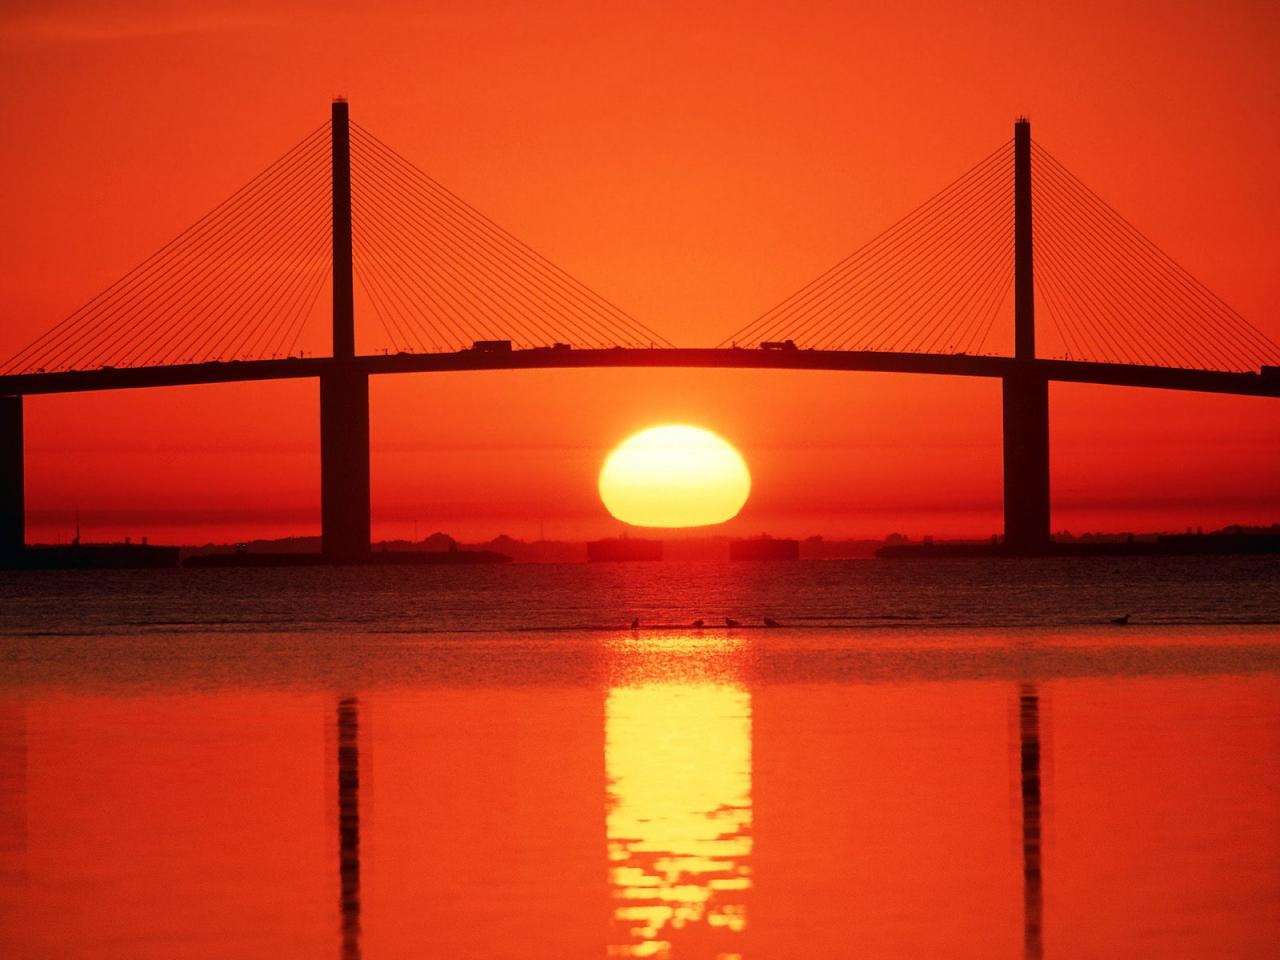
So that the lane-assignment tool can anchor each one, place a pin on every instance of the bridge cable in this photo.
(323, 277)
(160, 301)
(434, 328)
(445, 296)
(225, 297)
(887, 268)
(888, 246)
(937, 248)
(1113, 265)
(955, 265)
(800, 299)
(1193, 314)
(475, 261)
(302, 304)
(94, 316)
(228, 285)
(435, 205)
(903, 259)
(429, 193)
(455, 276)
(1078, 289)
(1196, 290)
(1083, 238)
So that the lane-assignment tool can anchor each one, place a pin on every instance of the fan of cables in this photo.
(238, 284)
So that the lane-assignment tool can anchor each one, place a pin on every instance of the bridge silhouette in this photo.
(228, 300)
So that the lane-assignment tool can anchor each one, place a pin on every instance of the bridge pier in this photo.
(344, 392)
(12, 481)
(1026, 464)
(344, 464)
(1026, 394)
(12, 484)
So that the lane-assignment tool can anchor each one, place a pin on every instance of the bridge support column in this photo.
(1026, 464)
(13, 507)
(344, 392)
(1026, 395)
(344, 464)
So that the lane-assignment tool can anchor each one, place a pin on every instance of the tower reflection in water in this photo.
(1029, 780)
(678, 762)
(349, 824)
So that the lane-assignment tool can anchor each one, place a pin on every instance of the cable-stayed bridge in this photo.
(230, 300)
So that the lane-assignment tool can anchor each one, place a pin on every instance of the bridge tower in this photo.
(1025, 392)
(344, 389)
(12, 493)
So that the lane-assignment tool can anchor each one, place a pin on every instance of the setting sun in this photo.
(674, 476)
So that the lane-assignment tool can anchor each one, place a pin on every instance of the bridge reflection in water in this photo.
(679, 819)
(668, 804)
(349, 824)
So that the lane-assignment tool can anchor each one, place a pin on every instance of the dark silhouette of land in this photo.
(442, 549)
(1227, 542)
(615, 549)
(764, 548)
(92, 556)
(1233, 539)
(385, 558)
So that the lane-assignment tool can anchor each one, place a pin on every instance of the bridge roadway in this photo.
(1263, 384)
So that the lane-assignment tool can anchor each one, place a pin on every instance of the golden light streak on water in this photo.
(678, 761)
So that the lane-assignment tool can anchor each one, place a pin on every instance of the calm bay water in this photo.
(950, 759)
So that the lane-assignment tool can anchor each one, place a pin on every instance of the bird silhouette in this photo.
(1121, 621)
(770, 622)
(635, 623)
(697, 624)
(730, 622)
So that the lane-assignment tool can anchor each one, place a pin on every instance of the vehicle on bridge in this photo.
(778, 345)
(491, 346)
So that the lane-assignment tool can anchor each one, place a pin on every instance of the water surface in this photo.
(957, 759)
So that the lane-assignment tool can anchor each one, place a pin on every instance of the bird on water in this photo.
(730, 622)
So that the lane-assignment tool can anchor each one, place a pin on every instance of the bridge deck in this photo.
(958, 365)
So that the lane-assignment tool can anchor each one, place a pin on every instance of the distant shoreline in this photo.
(441, 549)
(1163, 545)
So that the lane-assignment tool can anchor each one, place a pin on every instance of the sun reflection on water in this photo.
(678, 760)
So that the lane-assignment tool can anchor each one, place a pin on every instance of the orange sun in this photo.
(674, 476)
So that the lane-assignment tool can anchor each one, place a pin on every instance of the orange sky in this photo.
(693, 162)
